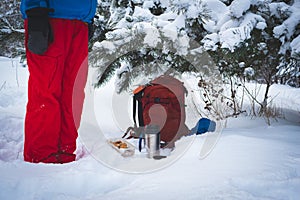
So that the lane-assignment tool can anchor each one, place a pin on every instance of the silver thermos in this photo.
(152, 140)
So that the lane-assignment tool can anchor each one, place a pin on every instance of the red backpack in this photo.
(161, 102)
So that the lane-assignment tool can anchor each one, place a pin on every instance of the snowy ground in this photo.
(250, 161)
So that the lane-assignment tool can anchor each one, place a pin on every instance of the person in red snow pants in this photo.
(56, 93)
(56, 41)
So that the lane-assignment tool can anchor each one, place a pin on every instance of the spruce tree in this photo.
(11, 29)
(139, 42)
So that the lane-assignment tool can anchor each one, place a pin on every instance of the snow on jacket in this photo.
(83, 10)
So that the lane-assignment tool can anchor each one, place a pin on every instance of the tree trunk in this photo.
(264, 104)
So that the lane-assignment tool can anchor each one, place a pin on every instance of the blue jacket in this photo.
(83, 10)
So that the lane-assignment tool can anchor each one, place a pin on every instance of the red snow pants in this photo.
(56, 94)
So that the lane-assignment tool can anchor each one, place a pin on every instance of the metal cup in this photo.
(152, 138)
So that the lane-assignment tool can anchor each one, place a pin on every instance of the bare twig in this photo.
(3, 85)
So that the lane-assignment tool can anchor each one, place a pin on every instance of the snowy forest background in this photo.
(253, 41)
(238, 59)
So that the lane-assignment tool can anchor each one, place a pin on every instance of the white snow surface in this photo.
(251, 160)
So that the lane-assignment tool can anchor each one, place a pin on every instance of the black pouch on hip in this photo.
(40, 34)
